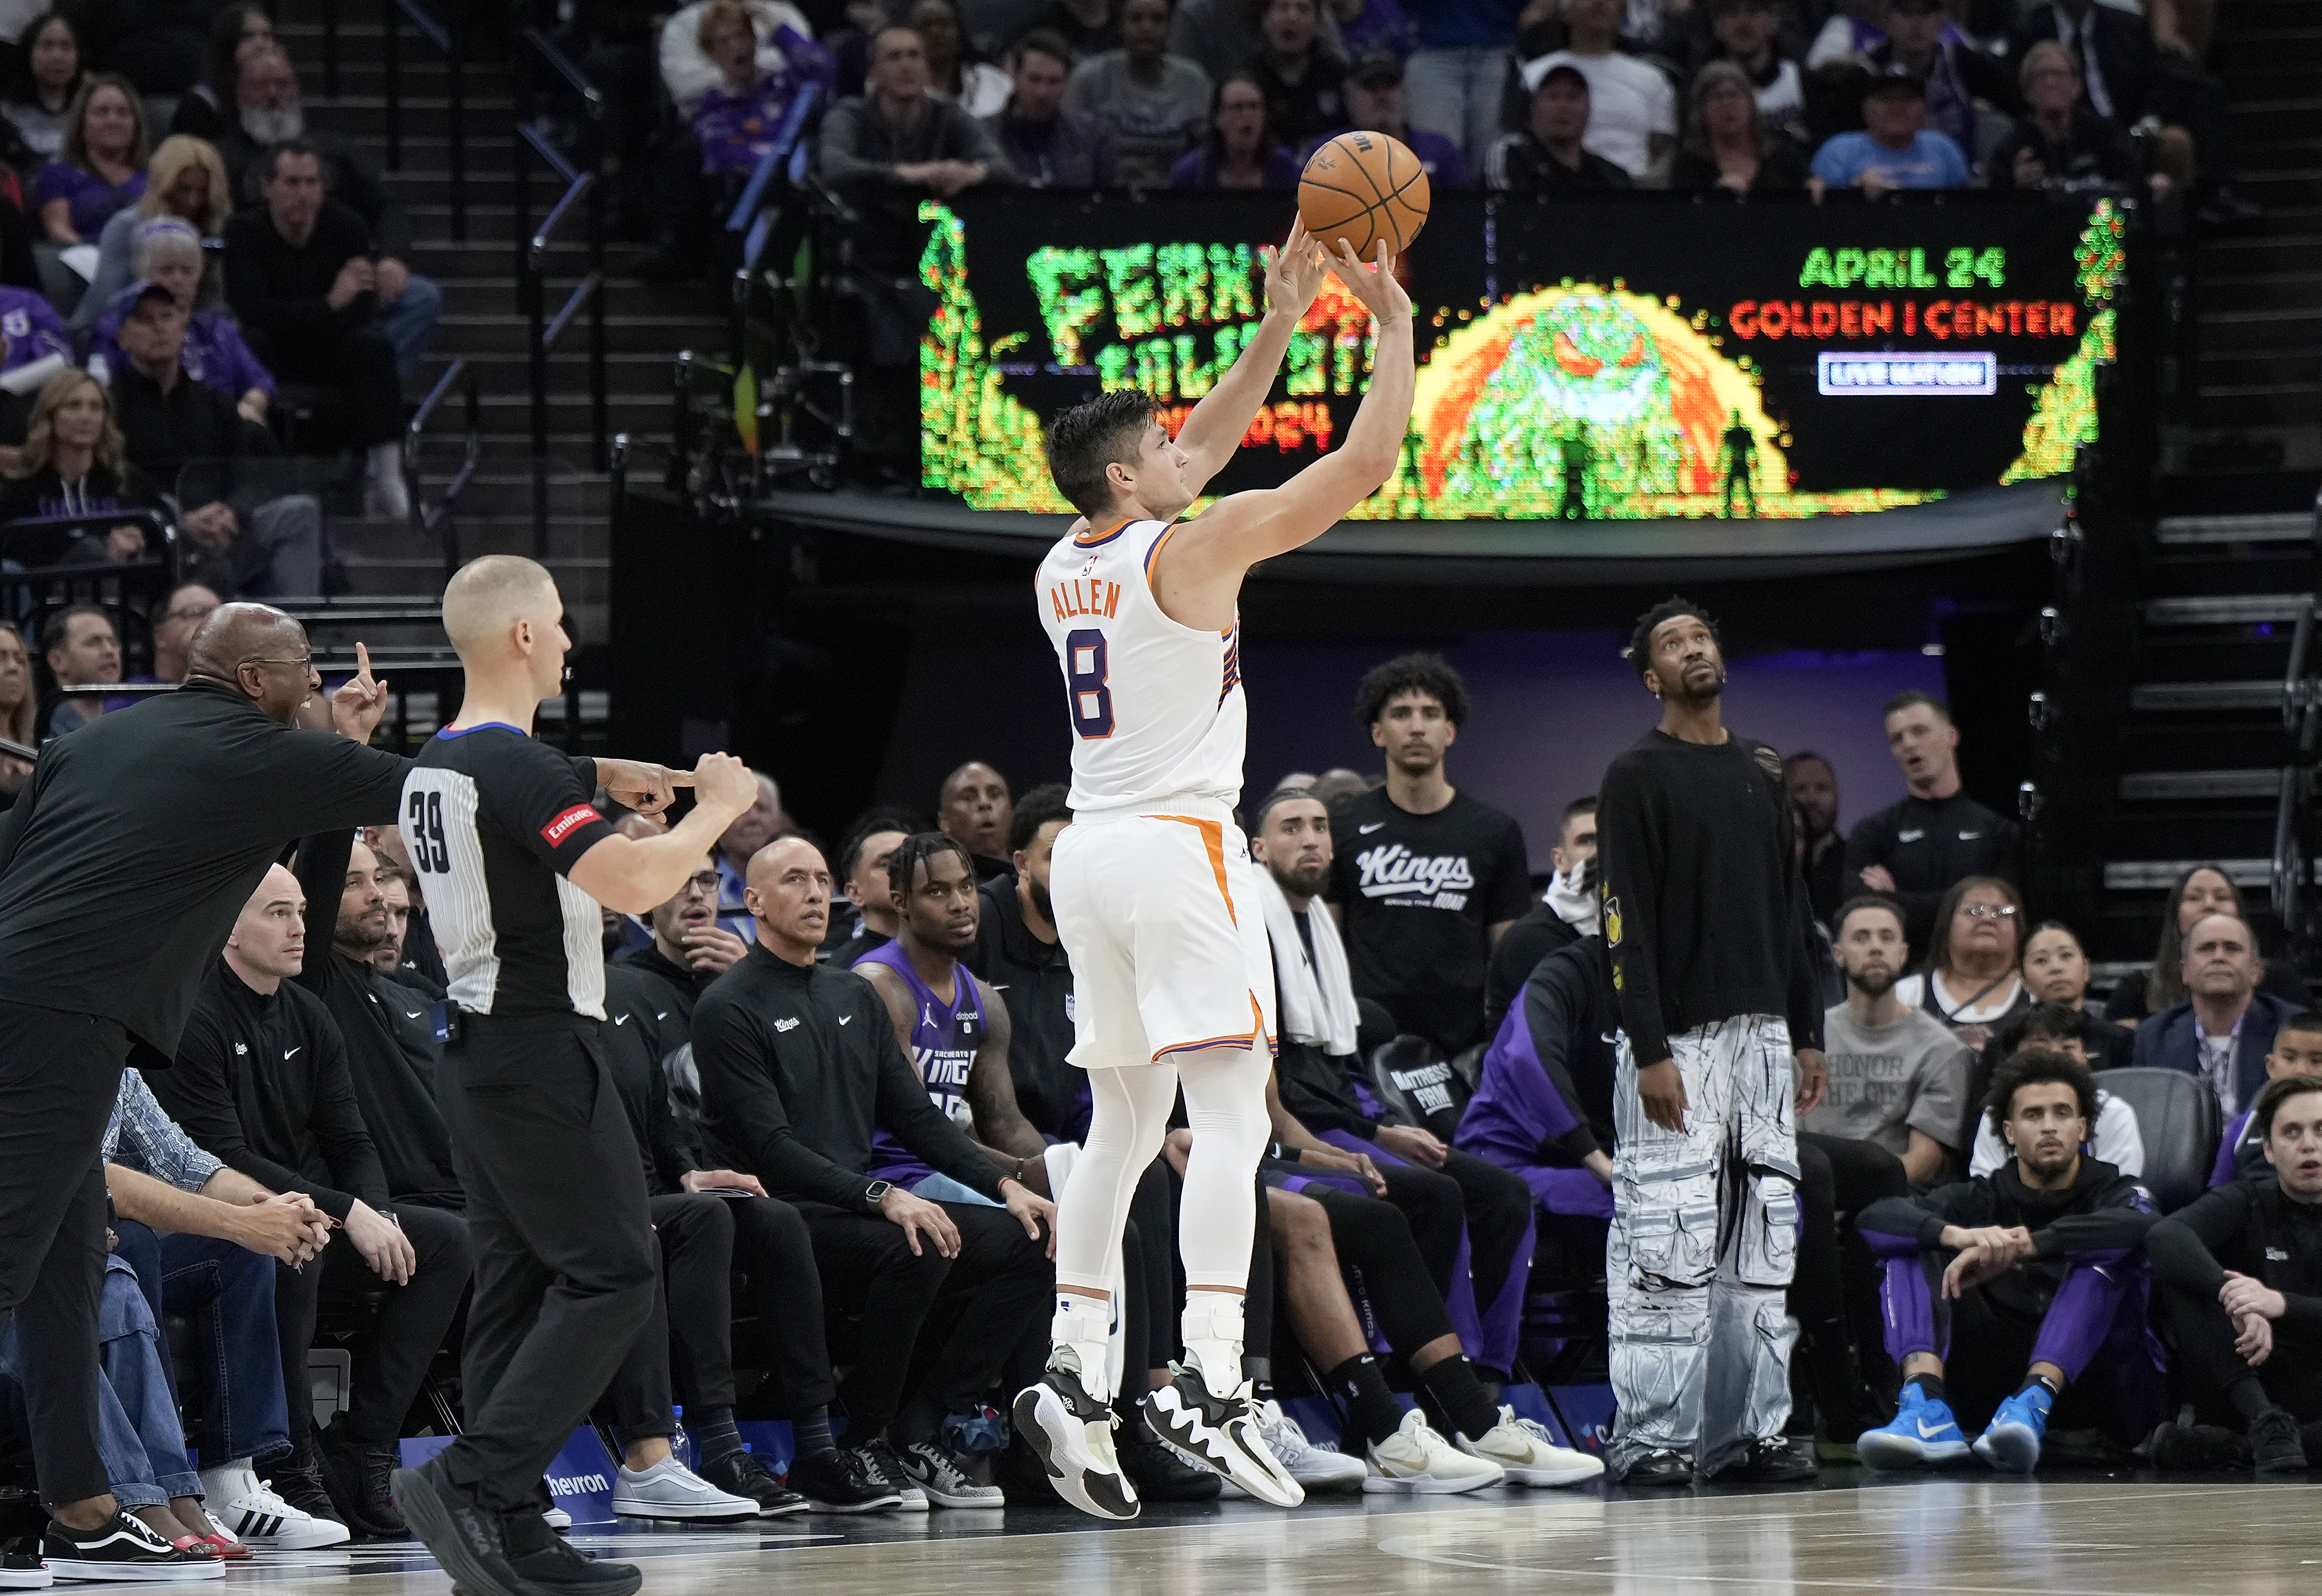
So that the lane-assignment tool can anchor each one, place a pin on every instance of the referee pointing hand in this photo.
(515, 860)
(121, 868)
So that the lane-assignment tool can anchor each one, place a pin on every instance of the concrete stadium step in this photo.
(2205, 530)
(2178, 697)
(2235, 610)
(2158, 875)
(2187, 785)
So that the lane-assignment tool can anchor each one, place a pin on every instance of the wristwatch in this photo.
(875, 1193)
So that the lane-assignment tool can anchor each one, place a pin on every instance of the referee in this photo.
(123, 867)
(515, 861)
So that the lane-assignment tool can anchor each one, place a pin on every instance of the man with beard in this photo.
(1899, 1076)
(1426, 878)
(2030, 1274)
(688, 950)
(1812, 787)
(387, 957)
(1705, 919)
(1018, 955)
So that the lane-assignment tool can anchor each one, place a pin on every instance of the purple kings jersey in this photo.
(944, 1040)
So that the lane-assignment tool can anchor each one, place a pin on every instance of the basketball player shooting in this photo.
(1155, 895)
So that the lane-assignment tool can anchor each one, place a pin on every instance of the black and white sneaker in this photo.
(19, 1567)
(839, 1482)
(740, 1474)
(1071, 1433)
(465, 1539)
(123, 1548)
(943, 1475)
(1222, 1434)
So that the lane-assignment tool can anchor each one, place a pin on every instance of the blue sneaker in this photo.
(1923, 1432)
(2012, 1443)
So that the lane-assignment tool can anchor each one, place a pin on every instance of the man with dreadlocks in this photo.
(1705, 918)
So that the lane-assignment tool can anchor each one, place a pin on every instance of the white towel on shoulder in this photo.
(1316, 996)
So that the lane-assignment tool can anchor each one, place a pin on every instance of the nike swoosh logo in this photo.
(1928, 1434)
(294, 1050)
(620, 1019)
(845, 1019)
(1363, 831)
(413, 1013)
(1968, 837)
(1908, 837)
(1610, 1037)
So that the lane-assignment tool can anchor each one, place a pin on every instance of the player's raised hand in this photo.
(360, 701)
(1375, 286)
(1294, 272)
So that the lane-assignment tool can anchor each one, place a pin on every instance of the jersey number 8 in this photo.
(429, 850)
(1085, 681)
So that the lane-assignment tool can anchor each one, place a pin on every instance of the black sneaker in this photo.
(122, 1548)
(559, 1567)
(944, 1475)
(355, 1479)
(740, 1474)
(464, 1539)
(880, 1461)
(1224, 1433)
(19, 1567)
(1769, 1462)
(1073, 1434)
(300, 1484)
(837, 1483)
(2192, 1447)
(2274, 1445)
(1157, 1471)
(1657, 1469)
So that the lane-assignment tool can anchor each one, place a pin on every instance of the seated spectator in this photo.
(979, 88)
(238, 535)
(1222, 37)
(421, 962)
(2224, 1029)
(1142, 107)
(1367, 25)
(1376, 101)
(166, 255)
(100, 169)
(1897, 1076)
(82, 647)
(1086, 28)
(271, 117)
(2055, 970)
(1543, 1107)
(386, 958)
(2237, 1269)
(2297, 1051)
(863, 856)
(1550, 155)
(1633, 109)
(1922, 39)
(1047, 149)
(20, 711)
(2061, 145)
(798, 1107)
(44, 87)
(74, 462)
(176, 616)
(1728, 147)
(1968, 980)
(1812, 787)
(1896, 149)
(1564, 914)
(1242, 151)
(209, 110)
(299, 275)
(688, 951)
(30, 334)
(973, 807)
(1304, 84)
(1018, 954)
(260, 1080)
(2021, 1282)
(687, 72)
(2203, 890)
(1748, 34)
(187, 184)
(2117, 1138)
(1934, 835)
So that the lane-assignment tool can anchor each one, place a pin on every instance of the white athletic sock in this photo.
(1212, 1333)
(1084, 1325)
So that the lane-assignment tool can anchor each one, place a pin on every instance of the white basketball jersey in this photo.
(1156, 706)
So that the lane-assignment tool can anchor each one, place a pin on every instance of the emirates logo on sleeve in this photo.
(566, 824)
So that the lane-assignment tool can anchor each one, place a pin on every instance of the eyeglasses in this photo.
(1988, 911)
(705, 883)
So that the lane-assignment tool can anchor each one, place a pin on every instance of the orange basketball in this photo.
(1364, 187)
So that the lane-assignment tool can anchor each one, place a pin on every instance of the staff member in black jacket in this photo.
(123, 866)
(1018, 954)
(1914, 848)
(800, 1064)
(1706, 921)
(260, 1080)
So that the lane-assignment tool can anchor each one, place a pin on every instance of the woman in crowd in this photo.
(1970, 979)
(185, 180)
(100, 168)
(2056, 971)
(38, 97)
(1728, 148)
(74, 463)
(208, 110)
(167, 251)
(2204, 890)
(19, 711)
(980, 87)
(1240, 151)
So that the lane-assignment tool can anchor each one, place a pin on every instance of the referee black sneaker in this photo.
(465, 1539)
(740, 1474)
(120, 1549)
(838, 1482)
(564, 1570)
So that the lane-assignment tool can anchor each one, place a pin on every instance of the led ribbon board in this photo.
(1638, 358)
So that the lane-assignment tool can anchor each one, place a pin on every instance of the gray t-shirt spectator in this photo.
(1886, 1081)
(1139, 128)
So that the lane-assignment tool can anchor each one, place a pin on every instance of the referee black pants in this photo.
(59, 1075)
(564, 1251)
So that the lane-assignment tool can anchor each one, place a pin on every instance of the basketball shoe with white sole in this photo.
(1071, 1433)
(1417, 1461)
(1528, 1454)
(1222, 1434)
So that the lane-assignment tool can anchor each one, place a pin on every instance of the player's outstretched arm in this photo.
(1200, 570)
(1218, 423)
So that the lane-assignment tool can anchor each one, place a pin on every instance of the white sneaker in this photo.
(1315, 1468)
(557, 1518)
(669, 1489)
(1220, 1434)
(1524, 1449)
(247, 1511)
(1417, 1461)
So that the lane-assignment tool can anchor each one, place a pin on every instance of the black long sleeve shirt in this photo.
(1035, 979)
(1926, 844)
(1705, 915)
(2251, 1227)
(284, 288)
(260, 1082)
(799, 1066)
(2102, 1216)
(139, 838)
(640, 1025)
